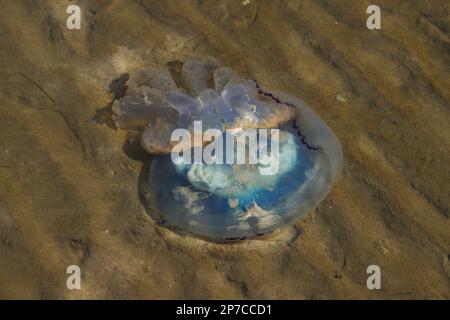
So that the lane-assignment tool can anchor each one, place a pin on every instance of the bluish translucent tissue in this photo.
(228, 201)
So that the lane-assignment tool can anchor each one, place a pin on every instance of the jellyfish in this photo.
(231, 159)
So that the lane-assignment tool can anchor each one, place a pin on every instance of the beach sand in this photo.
(70, 192)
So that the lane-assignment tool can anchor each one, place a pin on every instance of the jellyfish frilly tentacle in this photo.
(317, 132)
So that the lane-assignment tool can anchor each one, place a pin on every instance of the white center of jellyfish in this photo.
(238, 180)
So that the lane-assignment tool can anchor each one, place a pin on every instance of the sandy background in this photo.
(69, 184)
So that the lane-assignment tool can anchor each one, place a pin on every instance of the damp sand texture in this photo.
(70, 191)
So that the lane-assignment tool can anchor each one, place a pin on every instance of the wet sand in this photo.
(70, 192)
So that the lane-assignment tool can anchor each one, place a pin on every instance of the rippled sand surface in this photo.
(70, 191)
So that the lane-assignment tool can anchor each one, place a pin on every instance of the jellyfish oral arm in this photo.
(235, 147)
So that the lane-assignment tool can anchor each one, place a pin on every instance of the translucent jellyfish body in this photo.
(291, 166)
